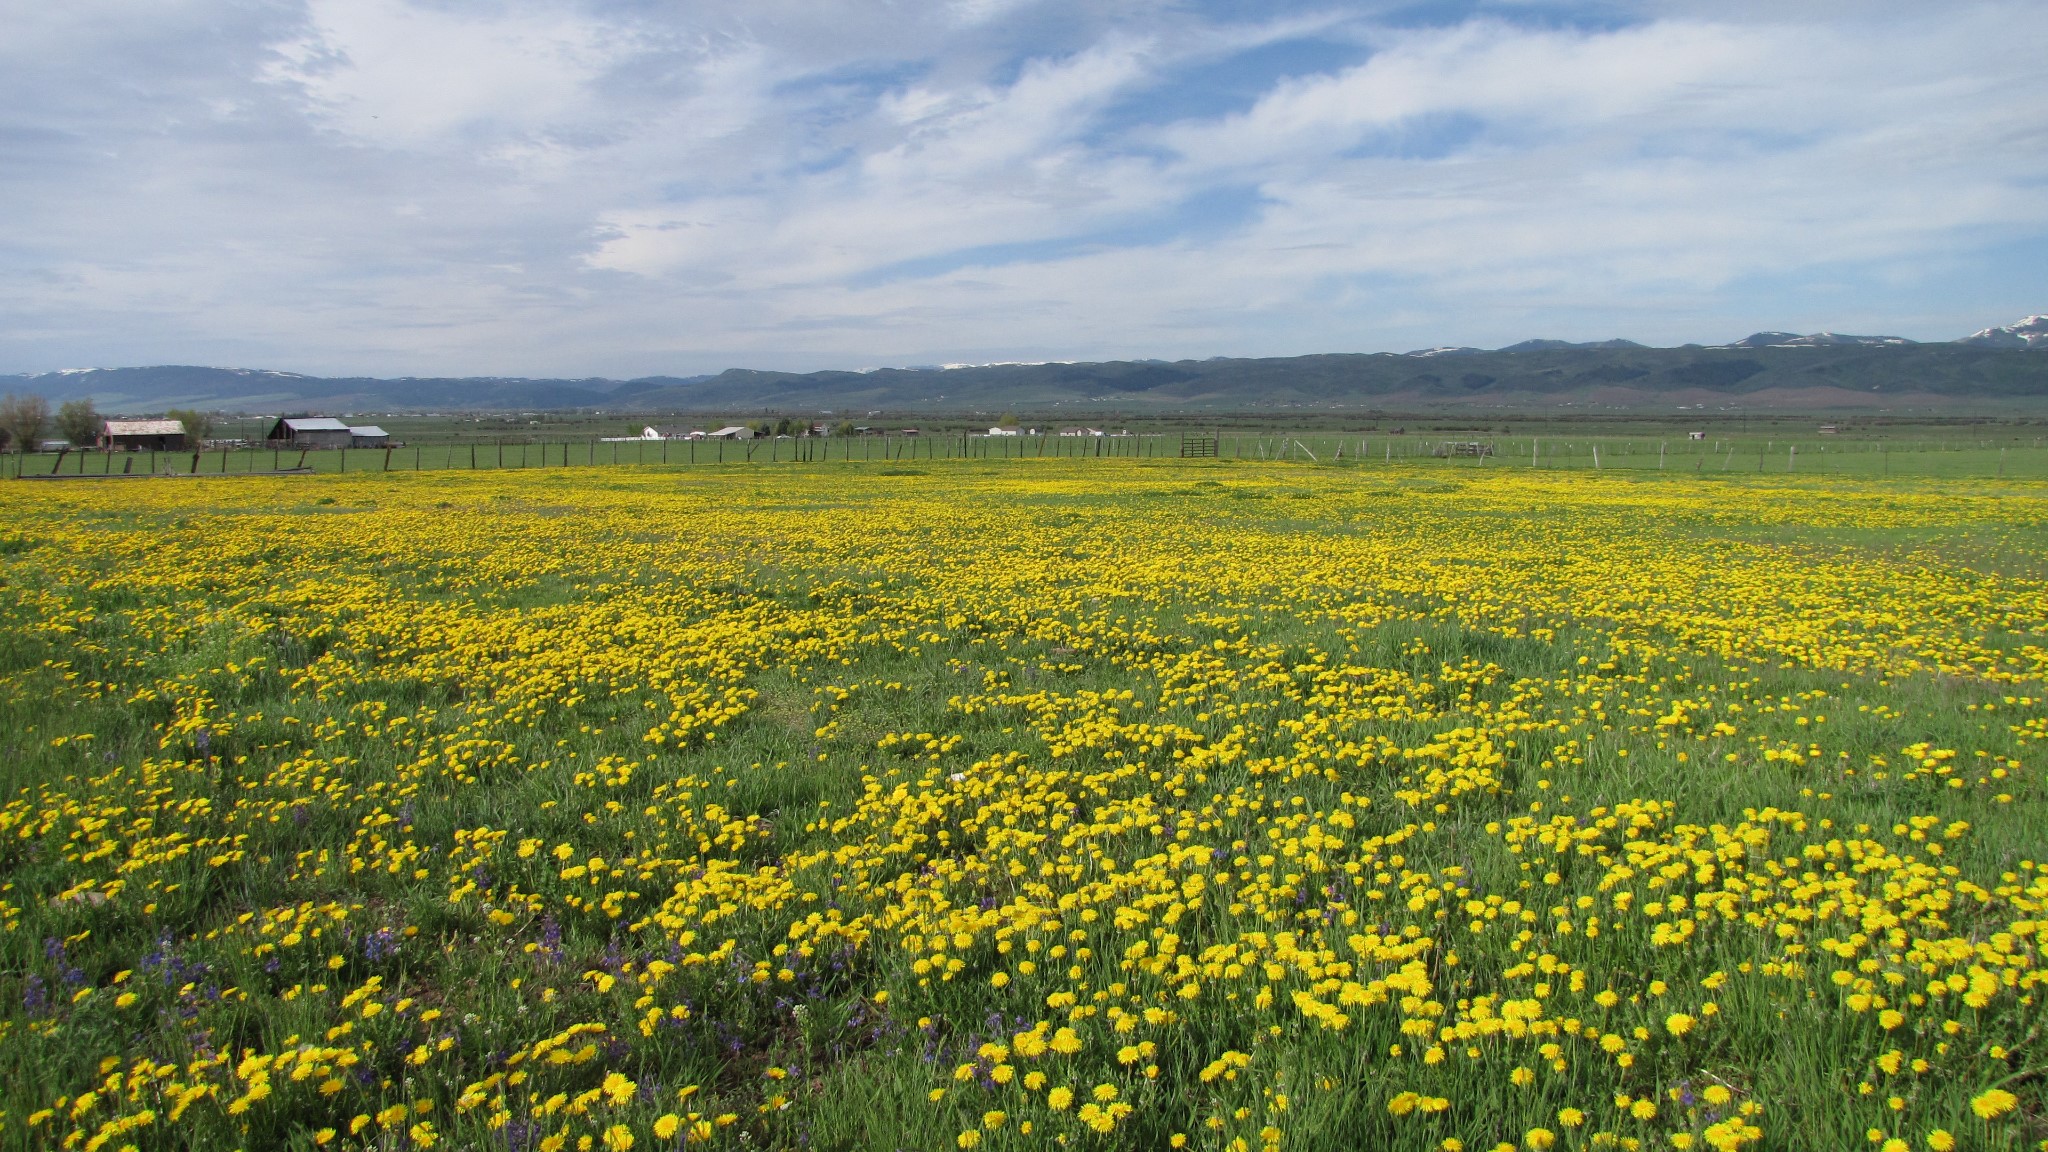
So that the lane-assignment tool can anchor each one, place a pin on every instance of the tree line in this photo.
(23, 420)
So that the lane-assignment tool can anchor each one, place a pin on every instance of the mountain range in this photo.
(1763, 370)
(2029, 333)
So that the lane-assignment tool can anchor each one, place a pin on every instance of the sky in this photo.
(637, 187)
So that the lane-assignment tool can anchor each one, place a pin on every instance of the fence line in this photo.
(1988, 458)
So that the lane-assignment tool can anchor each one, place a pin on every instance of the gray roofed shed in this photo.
(311, 432)
(142, 435)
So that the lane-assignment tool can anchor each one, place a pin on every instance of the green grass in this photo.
(532, 629)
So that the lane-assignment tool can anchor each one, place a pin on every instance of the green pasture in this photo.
(1928, 454)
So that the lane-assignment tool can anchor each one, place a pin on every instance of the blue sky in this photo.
(625, 187)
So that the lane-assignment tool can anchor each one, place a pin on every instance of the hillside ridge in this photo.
(1764, 370)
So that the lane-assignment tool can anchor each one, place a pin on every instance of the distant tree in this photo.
(22, 419)
(843, 428)
(79, 421)
(1006, 420)
(783, 427)
(198, 425)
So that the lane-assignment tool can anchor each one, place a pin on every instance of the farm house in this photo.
(311, 432)
(142, 435)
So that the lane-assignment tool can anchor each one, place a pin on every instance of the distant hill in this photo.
(1558, 345)
(253, 390)
(1816, 340)
(1822, 370)
(1812, 376)
(2029, 333)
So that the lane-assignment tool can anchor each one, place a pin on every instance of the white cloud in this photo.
(394, 186)
(965, 168)
(392, 73)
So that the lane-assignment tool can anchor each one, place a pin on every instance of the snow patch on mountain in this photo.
(1816, 340)
(2029, 333)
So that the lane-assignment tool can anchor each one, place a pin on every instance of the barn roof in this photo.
(145, 428)
(367, 430)
(314, 424)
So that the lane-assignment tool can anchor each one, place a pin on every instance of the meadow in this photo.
(1118, 803)
(1998, 449)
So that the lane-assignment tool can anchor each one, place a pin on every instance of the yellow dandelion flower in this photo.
(1993, 1103)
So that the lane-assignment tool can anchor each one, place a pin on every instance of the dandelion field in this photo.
(1126, 804)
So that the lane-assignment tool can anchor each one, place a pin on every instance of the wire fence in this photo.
(2016, 458)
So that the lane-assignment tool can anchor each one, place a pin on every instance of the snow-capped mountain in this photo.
(2029, 333)
(1816, 340)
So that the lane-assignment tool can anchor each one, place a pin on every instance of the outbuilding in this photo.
(732, 432)
(311, 432)
(368, 436)
(142, 435)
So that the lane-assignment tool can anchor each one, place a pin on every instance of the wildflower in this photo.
(618, 1090)
(1678, 1023)
(1993, 1103)
(1059, 1098)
